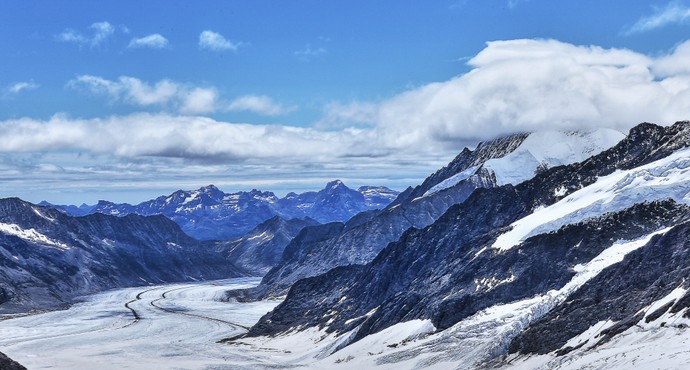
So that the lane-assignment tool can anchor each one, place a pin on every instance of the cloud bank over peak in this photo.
(515, 85)
(528, 85)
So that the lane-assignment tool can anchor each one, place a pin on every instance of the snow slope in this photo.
(659, 344)
(666, 178)
(550, 148)
(414, 345)
(543, 149)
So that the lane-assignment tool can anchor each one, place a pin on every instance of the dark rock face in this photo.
(48, 258)
(436, 272)
(260, 249)
(360, 241)
(210, 214)
(7, 363)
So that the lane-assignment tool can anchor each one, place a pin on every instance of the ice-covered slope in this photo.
(668, 178)
(546, 149)
(537, 152)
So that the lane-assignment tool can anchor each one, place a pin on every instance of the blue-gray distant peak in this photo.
(208, 213)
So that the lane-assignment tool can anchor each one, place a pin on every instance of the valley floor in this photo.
(173, 326)
(178, 326)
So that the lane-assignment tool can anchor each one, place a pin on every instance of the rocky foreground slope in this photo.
(493, 163)
(47, 258)
(540, 274)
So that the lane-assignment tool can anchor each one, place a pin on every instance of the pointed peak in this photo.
(335, 184)
(209, 189)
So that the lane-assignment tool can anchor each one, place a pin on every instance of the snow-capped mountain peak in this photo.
(334, 185)
(545, 149)
(209, 213)
(534, 152)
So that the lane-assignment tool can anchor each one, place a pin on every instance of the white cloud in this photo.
(260, 104)
(338, 115)
(214, 41)
(199, 101)
(174, 96)
(168, 136)
(101, 31)
(527, 85)
(673, 13)
(676, 63)
(18, 87)
(164, 93)
(309, 53)
(154, 41)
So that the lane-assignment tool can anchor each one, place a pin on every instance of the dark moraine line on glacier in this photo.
(136, 315)
(172, 311)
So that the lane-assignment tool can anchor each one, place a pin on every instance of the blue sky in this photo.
(126, 100)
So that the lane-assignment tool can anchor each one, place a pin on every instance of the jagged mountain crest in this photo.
(209, 213)
(421, 206)
(486, 150)
(49, 257)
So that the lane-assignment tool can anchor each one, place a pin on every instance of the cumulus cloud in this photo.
(168, 136)
(673, 13)
(527, 85)
(260, 104)
(339, 115)
(18, 87)
(199, 101)
(516, 85)
(164, 93)
(675, 63)
(100, 32)
(154, 41)
(214, 41)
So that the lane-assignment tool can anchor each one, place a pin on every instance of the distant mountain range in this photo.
(48, 257)
(210, 214)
